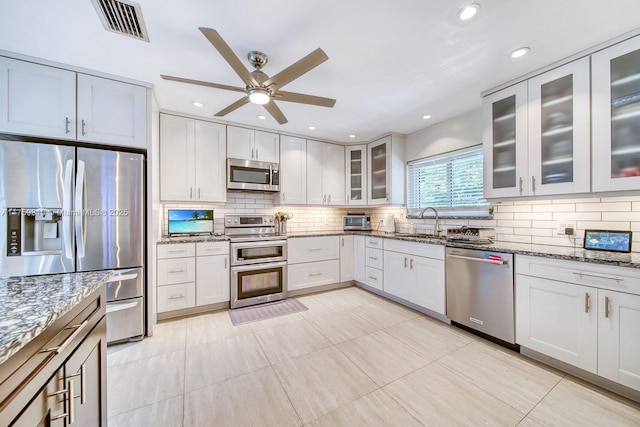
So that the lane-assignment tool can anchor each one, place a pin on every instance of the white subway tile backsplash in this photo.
(515, 223)
(513, 238)
(577, 216)
(603, 225)
(502, 216)
(515, 208)
(533, 215)
(621, 216)
(604, 207)
(563, 207)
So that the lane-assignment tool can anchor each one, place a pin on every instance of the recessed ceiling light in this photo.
(352, 136)
(522, 51)
(468, 11)
(198, 104)
(261, 117)
(312, 128)
(427, 116)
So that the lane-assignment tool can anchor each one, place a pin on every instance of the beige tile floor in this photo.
(352, 359)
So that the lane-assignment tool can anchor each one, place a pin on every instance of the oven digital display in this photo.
(253, 220)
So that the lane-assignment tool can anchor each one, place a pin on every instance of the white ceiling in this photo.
(390, 62)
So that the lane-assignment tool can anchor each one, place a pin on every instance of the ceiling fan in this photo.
(260, 88)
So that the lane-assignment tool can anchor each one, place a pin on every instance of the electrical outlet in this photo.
(564, 226)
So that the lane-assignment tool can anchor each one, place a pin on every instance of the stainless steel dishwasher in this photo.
(480, 292)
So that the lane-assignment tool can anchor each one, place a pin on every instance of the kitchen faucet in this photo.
(436, 230)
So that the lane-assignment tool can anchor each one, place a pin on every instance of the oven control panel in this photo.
(233, 221)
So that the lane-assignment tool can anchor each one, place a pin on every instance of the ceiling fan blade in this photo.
(301, 67)
(305, 99)
(201, 83)
(239, 103)
(226, 52)
(273, 109)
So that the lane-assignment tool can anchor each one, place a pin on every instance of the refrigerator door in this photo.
(110, 195)
(36, 187)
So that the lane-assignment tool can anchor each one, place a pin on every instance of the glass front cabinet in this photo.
(537, 135)
(386, 171)
(356, 174)
(616, 117)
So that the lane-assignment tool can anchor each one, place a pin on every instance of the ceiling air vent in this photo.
(123, 17)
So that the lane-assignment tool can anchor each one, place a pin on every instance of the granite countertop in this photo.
(631, 260)
(29, 305)
(192, 239)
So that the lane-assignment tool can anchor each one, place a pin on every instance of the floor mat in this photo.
(266, 311)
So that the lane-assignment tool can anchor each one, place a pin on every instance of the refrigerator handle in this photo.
(79, 206)
(67, 209)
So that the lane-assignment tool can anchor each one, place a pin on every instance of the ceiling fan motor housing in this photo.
(257, 59)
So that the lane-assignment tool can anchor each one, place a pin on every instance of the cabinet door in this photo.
(427, 280)
(379, 164)
(397, 275)
(333, 174)
(267, 147)
(177, 158)
(558, 319)
(111, 112)
(359, 259)
(87, 369)
(504, 116)
(346, 258)
(210, 162)
(356, 174)
(212, 279)
(44, 409)
(240, 143)
(618, 342)
(559, 130)
(293, 170)
(615, 84)
(315, 195)
(37, 100)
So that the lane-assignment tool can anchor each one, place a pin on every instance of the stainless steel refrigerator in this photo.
(75, 209)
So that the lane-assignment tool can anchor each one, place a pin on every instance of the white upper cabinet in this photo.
(250, 144)
(44, 101)
(386, 168)
(37, 100)
(325, 174)
(192, 160)
(356, 174)
(111, 112)
(293, 170)
(559, 130)
(537, 135)
(616, 117)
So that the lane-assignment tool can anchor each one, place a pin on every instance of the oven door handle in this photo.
(258, 266)
(240, 245)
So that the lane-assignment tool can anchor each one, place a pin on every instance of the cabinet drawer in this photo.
(212, 248)
(412, 248)
(374, 258)
(177, 270)
(310, 249)
(176, 297)
(374, 278)
(177, 250)
(311, 274)
(611, 277)
(373, 242)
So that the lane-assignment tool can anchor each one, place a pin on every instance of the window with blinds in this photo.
(452, 183)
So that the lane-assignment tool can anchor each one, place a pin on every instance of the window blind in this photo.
(452, 182)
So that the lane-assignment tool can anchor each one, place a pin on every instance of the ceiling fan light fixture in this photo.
(258, 95)
(468, 11)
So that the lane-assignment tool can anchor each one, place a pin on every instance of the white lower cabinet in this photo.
(346, 258)
(313, 261)
(590, 319)
(192, 274)
(373, 259)
(415, 273)
(359, 262)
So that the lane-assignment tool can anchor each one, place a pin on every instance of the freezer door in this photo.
(36, 182)
(124, 319)
(110, 196)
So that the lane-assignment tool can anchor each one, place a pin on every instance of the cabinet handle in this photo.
(411, 264)
(83, 127)
(324, 199)
(372, 242)
(190, 193)
(387, 197)
(198, 193)
(176, 251)
(405, 262)
(373, 257)
(67, 122)
(315, 274)
(607, 308)
(252, 153)
(83, 384)
(175, 271)
(176, 296)
(68, 392)
(78, 328)
(342, 242)
(283, 197)
(533, 184)
(373, 278)
(257, 154)
(581, 275)
(521, 183)
(329, 199)
(586, 302)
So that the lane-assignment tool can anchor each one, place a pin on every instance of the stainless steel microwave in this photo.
(250, 175)
(356, 222)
